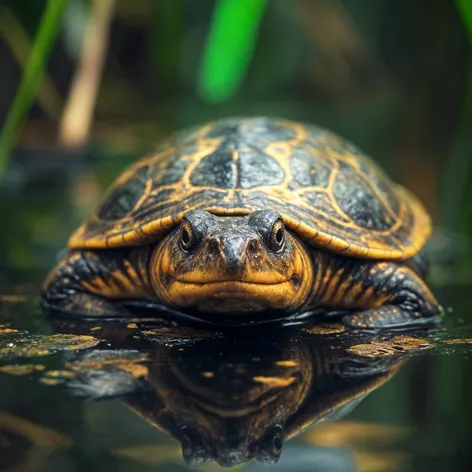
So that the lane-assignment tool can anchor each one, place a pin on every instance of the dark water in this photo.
(141, 395)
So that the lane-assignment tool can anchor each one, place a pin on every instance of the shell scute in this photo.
(308, 171)
(325, 188)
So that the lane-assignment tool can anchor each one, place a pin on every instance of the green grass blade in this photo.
(456, 181)
(47, 32)
(229, 47)
(465, 10)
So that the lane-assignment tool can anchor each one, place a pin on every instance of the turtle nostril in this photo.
(252, 246)
(214, 247)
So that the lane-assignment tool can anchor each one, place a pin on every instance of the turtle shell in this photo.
(327, 191)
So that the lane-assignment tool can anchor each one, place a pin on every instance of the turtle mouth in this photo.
(230, 296)
(212, 280)
(229, 282)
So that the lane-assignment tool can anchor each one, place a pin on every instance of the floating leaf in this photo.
(394, 347)
(327, 329)
(21, 369)
(27, 345)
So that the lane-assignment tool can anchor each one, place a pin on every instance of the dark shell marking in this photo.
(326, 190)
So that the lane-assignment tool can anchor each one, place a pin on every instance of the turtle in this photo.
(248, 219)
(246, 403)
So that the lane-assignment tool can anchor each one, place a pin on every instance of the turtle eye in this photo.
(277, 238)
(187, 235)
(271, 446)
(276, 445)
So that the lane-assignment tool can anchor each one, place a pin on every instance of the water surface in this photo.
(135, 396)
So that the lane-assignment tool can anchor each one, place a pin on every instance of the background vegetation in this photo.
(88, 85)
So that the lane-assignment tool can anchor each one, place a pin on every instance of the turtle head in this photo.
(226, 264)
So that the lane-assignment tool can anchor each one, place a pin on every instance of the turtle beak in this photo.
(233, 249)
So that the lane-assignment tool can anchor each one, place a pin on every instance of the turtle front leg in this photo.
(391, 295)
(89, 283)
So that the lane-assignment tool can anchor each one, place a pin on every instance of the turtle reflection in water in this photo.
(242, 404)
(252, 217)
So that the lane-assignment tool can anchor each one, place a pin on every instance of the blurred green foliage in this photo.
(228, 52)
(465, 9)
(378, 73)
(32, 75)
(175, 62)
